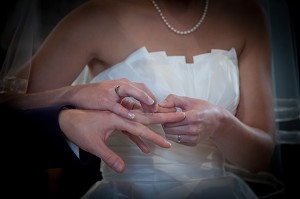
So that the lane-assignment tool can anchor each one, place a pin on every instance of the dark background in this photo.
(53, 10)
(50, 13)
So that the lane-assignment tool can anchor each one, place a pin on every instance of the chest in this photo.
(133, 33)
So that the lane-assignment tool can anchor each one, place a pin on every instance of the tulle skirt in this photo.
(225, 187)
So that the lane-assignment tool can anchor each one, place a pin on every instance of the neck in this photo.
(176, 16)
(180, 4)
(177, 8)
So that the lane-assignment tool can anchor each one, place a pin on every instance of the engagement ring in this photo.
(179, 139)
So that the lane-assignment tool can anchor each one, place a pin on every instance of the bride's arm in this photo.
(247, 138)
(253, 128)
(100, 96)
(43, 118)
(72, 44)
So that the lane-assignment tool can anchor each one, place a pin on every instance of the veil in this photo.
(286, 79)
(20, 38)
(24, 31)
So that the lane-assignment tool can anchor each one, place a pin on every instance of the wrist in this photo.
(61, 117)
(223, 118)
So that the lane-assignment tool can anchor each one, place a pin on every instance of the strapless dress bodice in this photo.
(212, 76)
(180, 172)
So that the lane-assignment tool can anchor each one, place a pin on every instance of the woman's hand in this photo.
(204, 120)
(107, 95)
(201, 121)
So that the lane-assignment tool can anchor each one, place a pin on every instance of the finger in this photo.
(146, 98)
(138, 129)
(149, 108)
(166, 110)
(143, 95)
(144, 88)
(111, 158)
(175, 130)
(138, 142)
(122, 111)
(129, 104)
(178, 138)
(188, 140)
(136, 106)
(181, 123)
(173, 101)
(159, 118)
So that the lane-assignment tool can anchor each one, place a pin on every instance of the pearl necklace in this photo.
(185, 32)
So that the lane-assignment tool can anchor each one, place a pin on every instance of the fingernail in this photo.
(150, 101)
(183, 114)
(169, 143)
(117, 166)
(131, 115)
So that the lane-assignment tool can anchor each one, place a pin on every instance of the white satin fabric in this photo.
(181, 171)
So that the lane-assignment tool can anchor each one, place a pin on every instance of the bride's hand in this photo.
(201, 121)
(107, 95)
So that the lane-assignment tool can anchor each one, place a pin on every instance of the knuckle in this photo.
(192, 129)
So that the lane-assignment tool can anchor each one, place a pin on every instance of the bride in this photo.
(209, 58)
(193, 167)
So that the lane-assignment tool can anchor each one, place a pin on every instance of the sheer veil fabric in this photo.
(27, 25)
(21, 38)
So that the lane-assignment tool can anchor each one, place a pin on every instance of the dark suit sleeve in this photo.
(36, 134)
(31, 143)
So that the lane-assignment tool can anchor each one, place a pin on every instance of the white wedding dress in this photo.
(181, 171)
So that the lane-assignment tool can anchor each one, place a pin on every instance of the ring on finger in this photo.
(117, 90)
(179, 139)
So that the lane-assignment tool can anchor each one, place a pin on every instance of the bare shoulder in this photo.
(99, 15)
(245, 20)
(90, 12)
(253, 20)
(242, 5)
(249, 12)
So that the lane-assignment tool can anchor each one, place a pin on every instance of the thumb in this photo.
(172, 101)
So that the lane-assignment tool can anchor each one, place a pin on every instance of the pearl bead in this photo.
(185, 32)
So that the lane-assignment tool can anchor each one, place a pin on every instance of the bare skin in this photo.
(101, 124)
(101, 112)
(103, 33)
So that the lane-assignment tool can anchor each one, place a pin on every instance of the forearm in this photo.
(242, 145)
(49, 98)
